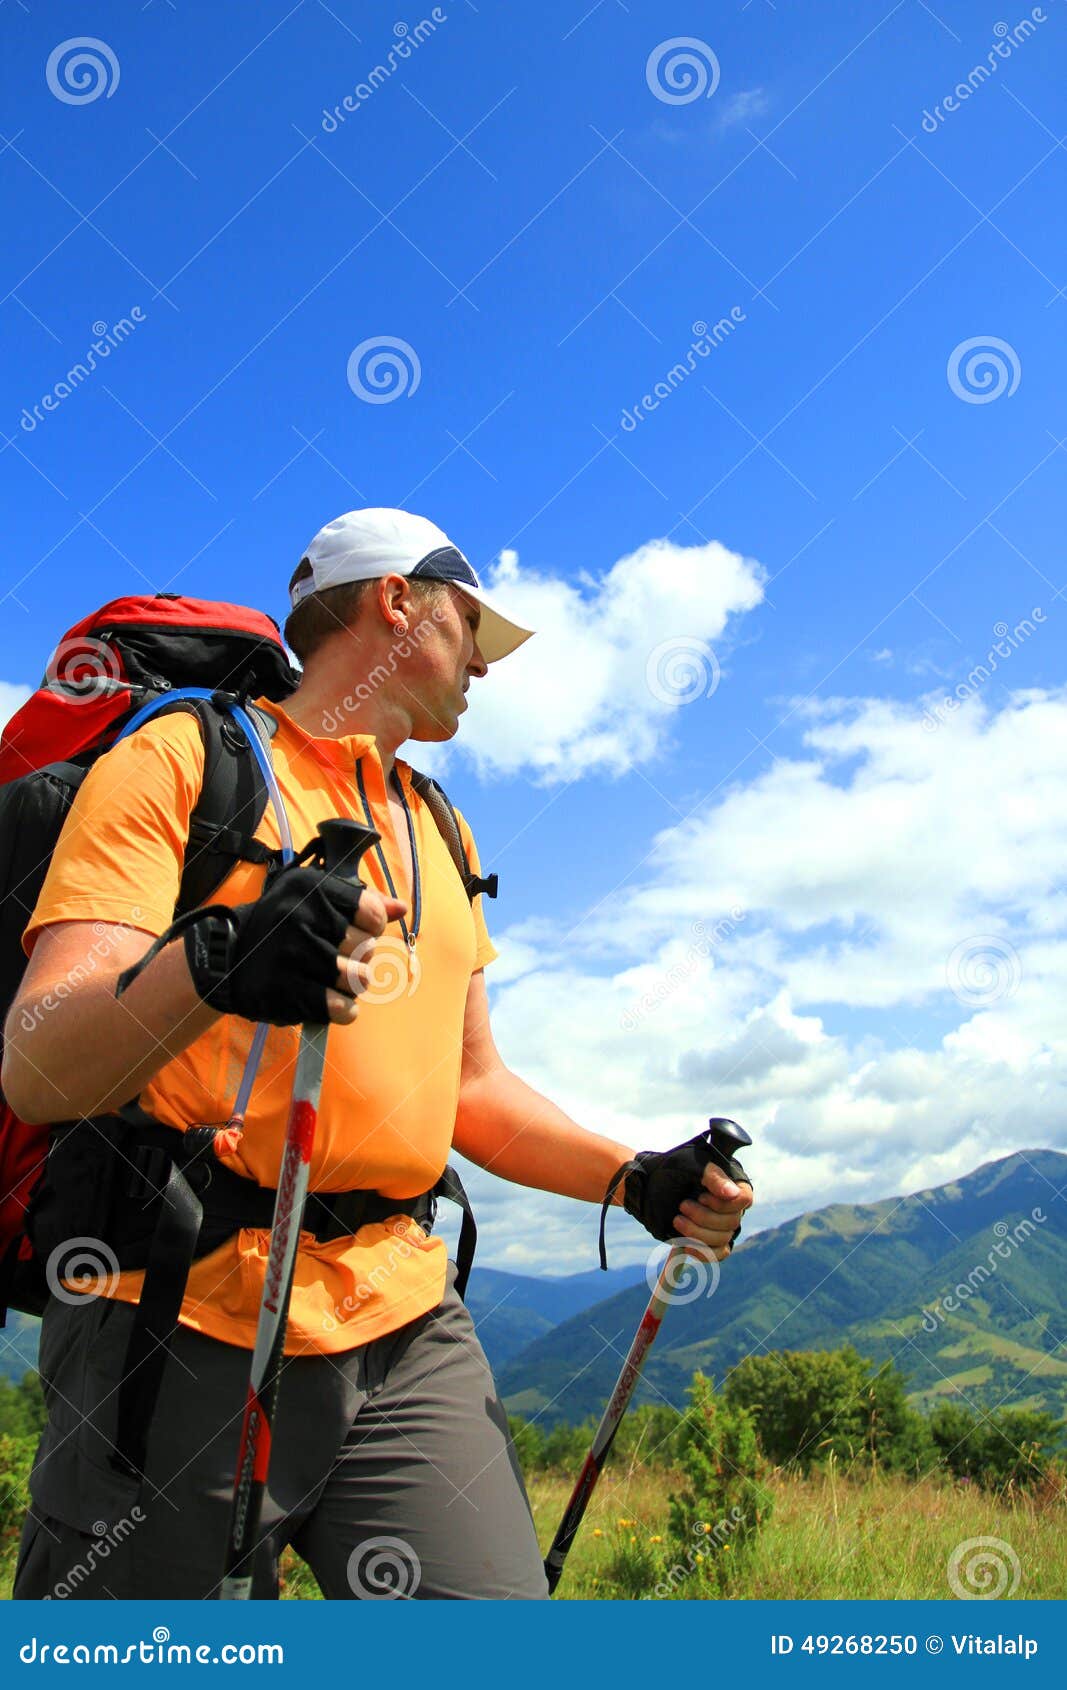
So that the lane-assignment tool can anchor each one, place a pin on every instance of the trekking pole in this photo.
(727, 1138)
(342, 844)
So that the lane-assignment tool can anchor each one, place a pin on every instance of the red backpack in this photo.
(134, 657)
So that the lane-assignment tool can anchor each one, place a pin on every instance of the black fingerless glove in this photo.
(272, 959)
(658, 1181)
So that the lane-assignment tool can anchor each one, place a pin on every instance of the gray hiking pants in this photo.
(392, 1473)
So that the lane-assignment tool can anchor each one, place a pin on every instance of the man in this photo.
(391, 1469)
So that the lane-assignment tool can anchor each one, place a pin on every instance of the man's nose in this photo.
(477, 665)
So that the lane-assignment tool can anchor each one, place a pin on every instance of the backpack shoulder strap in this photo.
(437, 802)
(233, 798)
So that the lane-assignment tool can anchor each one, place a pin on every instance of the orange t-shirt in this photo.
(391, 1083)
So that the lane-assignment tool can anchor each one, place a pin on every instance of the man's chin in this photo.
(436, 732)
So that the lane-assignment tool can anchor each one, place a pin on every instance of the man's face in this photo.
(445, 659)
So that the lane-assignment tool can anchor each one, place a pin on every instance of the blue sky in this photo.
(518, 203)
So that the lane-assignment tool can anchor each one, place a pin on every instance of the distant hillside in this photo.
(875, 1275)
(511, 1310)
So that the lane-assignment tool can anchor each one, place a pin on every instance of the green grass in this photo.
(829, 1536)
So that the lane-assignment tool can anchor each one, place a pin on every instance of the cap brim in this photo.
(498, 635)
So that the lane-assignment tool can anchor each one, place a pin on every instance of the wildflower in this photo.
(597, 1533)
(699, 1556)
(656, 1539)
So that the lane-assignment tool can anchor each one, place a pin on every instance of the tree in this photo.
(807, 1403)
(1012, 1446)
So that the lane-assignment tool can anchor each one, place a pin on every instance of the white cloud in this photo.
(613, 660)
(12, 698)
(885, 1014)
(742, 108)
(730, 111)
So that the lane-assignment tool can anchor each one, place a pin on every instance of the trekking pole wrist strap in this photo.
(209, 935)
(609, 1198)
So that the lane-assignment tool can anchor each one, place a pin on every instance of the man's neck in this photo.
(329, 711)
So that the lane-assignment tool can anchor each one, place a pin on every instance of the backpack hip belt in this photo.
(172, 1202)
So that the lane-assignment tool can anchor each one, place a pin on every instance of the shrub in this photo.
(22, 1410)
(16, 1459)
(1007, 1448)
(715, 1517)
(646, 1434)
(809, 1403)
(649, 1434)
(529, 1441)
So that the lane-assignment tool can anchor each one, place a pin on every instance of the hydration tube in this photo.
(248, 728)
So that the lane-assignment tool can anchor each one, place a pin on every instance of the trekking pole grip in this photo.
(341, 845)
(726, 1139)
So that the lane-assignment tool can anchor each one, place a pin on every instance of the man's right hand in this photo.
(301, 952)
(356, 952)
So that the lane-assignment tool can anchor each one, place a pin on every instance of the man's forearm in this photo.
(508, 1128)
(72, 1052)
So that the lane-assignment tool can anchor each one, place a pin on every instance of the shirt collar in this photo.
(340, 752)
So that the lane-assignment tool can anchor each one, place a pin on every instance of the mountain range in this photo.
(963, 1286)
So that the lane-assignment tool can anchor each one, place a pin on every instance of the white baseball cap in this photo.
(365, 545)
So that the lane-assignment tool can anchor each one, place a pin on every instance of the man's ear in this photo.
(395, 600)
